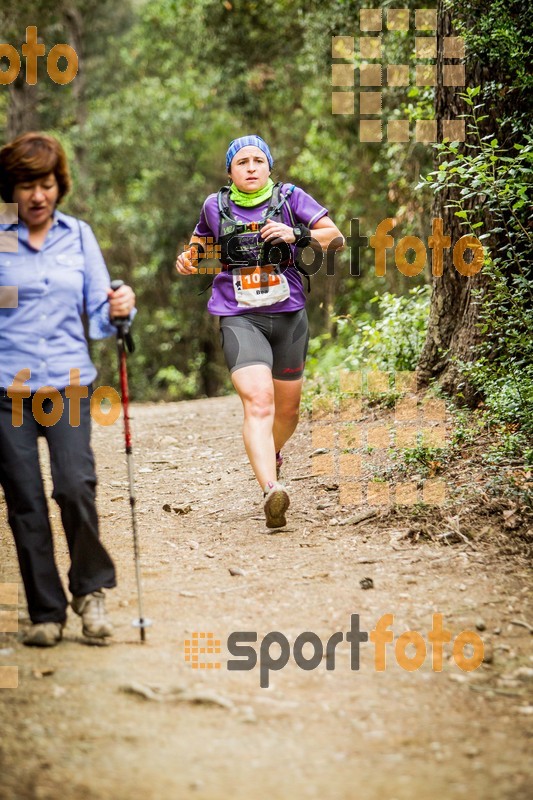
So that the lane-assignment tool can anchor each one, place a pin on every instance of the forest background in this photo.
(162, 88)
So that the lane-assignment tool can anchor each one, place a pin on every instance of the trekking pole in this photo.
(124, 345)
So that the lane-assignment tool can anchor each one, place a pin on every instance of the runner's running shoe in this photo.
(276, 504)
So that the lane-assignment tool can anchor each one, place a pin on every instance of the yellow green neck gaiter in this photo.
(251, 199)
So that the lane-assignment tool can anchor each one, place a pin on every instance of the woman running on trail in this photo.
(257, 226)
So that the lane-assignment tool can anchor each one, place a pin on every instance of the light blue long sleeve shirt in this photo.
(56, 284)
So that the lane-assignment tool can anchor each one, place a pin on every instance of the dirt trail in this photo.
(71, 731)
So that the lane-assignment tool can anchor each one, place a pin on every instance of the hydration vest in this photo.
(240, 242)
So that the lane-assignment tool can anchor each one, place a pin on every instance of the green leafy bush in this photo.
(494, 182)
(390, 342)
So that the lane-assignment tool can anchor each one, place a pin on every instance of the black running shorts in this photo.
(277, 340)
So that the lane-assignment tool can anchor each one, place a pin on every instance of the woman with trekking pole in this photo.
(56, 274)
(257, 227)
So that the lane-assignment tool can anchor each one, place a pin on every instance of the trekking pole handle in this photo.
(114, 286)
(122, 324)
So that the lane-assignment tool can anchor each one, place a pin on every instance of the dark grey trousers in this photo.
(74, 481)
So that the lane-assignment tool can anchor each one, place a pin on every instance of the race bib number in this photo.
(259, 286)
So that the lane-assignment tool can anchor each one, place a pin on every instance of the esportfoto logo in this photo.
(308, 650)
(345, 443)
(370, 62)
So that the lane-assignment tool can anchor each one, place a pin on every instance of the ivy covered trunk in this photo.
(453, 333)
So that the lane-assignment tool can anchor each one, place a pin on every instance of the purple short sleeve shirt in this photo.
(304, 208)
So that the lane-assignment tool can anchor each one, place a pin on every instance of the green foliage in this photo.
(511, 445)
(494, 183)
(425, 458)
(389, 341)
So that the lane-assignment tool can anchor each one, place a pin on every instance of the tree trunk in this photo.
(75, 25)
(453, 335)
(22, 114)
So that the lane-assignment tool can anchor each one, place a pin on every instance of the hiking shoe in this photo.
(276, 503)
(44, 634)
(279, 463)
(91, 609)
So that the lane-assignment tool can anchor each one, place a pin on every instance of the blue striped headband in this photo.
(247, 141)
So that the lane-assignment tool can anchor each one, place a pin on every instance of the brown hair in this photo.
(29, 157)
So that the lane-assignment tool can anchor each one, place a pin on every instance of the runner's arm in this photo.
(324, 233)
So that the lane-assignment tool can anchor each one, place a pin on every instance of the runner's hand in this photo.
(277, 230)
(185, 262)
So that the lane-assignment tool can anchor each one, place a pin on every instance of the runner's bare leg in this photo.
(287, 396)
(255, 387)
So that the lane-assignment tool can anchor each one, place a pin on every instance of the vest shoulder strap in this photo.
(223, 203)
(277, 201)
